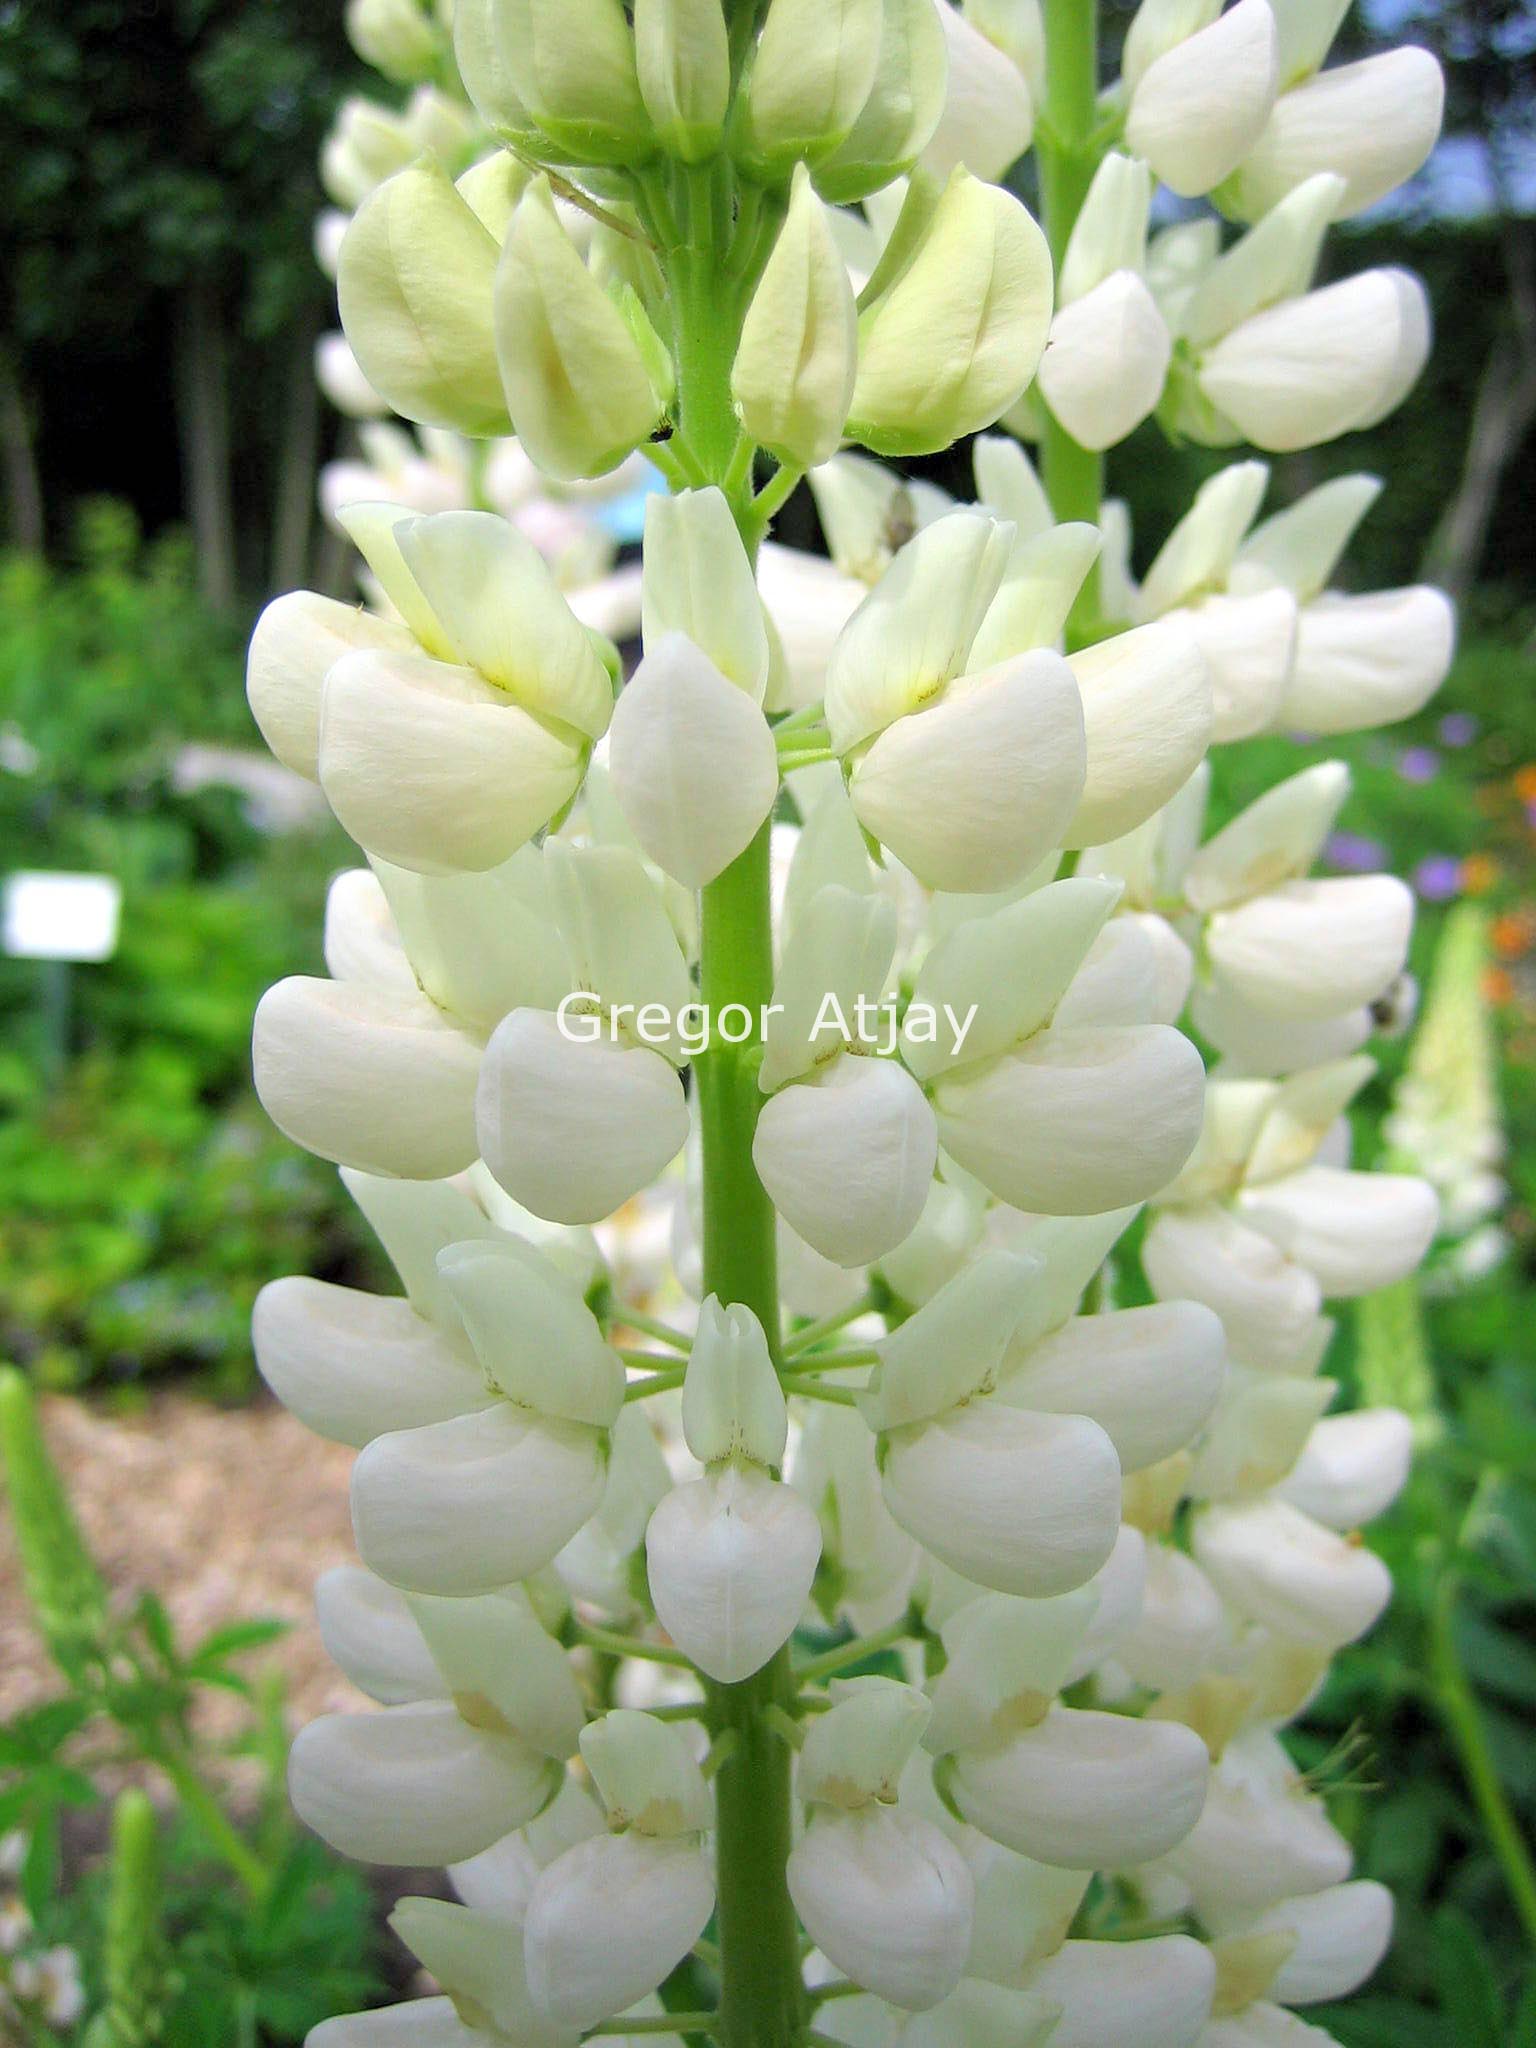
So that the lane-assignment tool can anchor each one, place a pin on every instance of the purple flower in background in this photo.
(1458, 729)
(1418, 764)
(1353, 854)
(1437, 879)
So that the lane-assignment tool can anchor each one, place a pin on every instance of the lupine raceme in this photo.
(878, 1620)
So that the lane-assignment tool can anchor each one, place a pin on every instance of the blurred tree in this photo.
(168, 150)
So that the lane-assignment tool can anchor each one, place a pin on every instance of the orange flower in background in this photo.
(1513, 934)
(1525, 783)
(1498, 985)
(1479, 873)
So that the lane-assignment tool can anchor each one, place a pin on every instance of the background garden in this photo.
(160, 443)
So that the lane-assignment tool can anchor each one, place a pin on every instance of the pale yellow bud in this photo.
(809, 78)
(794, 370)
(904, 108)
(558, 71)
(683, 57)
(414, 282)
(955, 318)
(578, 384)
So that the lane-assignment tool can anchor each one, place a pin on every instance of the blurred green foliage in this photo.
(145, 1200)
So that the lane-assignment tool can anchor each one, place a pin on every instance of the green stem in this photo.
(615, 1645)
(626, 1318)
(813, 1390)
(812, 1333)
(663, 2023)
(830, 1662)
(655, 1383)
(233, 1850)
(1068, 151)
(1464, 1723)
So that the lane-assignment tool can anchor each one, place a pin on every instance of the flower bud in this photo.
(954, 320)
(693, 762)
(733, 1405)
(1315, 367)
(414, 282)
(350, 1365)
(1087, 1791)
(904, 105)
(848, 1158)
(1366, 661)
(476, 1503)
(396, 37)
(989, 114)
(1199, 107)
(731, 1558)
(1312, 949)
(1374, 123)
(368, 1078)
(414, 1784)
(1104, 365)
(683, 60)
(609, 1920)
(807, 81)
(367, 144)
(887, 1898)
(1146, 699)
(1353, 1467)
(1281, 1569)
(555, 71)
(572, 1130)
(297, 639)
(582, 390)
(697, 581)
(433, 768)
(1128, 1994)
(1020, 1503)
(792, 380)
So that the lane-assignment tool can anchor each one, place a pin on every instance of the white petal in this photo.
(1353, 1467)
(888, 1899)
(478, 1958)
(297, 639)
(1079, 1121)
(419, 2023)
(1104, 365)
(809, 601)
(414, 1784)
(467, 1506)
(1088, 1791)
(1315, 367)
(1129, 1994)
(368, 1078)
(693, 762)
(1313, 949)
(1147, 713)
(1341, 1935)
(1355, 1231)
(988, 115)
(1248, 644)
(1020, 1503)
(1148, 1376)
(1260, 1837)
(369, 1631)
(352, 1365)
(531, 1329)
(1280, 1568)
(731, 1558)
(972, 790)
(1199, 108)
(977, 2015)
(572, 1130)
(435, 769)
(1178, 1625)
(1268, 1304)
(609, 1919)
(847, 1160)
(1373, 123)
(1368, 661)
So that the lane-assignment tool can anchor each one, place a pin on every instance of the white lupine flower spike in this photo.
(849, 939)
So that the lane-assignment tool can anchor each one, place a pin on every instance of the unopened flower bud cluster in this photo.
(1043, 1407)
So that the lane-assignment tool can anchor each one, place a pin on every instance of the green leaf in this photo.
(1469, 1998)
